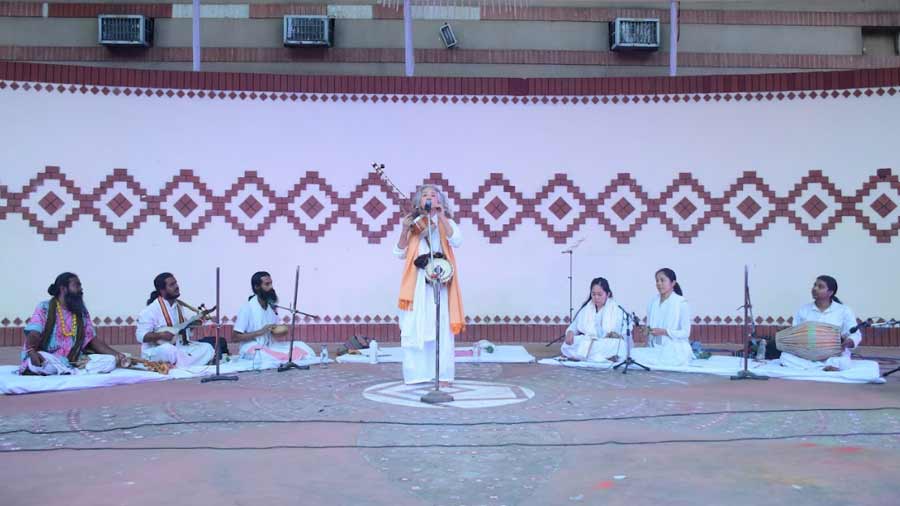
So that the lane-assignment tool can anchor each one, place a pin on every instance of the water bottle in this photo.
(323, 355)
(257, 360)
(373, 351)
(761, 350)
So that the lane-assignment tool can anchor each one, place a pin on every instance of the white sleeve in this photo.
(146, 323)
(242, 322)
(848, 323)
(399, 253)
(798, 317)
(456, 237)
(684, 323)
(573, 327)
(618, 323)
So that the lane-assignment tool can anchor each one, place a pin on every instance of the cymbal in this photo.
(280, 329)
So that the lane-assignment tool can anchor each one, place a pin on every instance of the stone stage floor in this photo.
(518, 434)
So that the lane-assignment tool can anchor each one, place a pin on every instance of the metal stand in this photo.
(436, 396)
(571, 253)
(745, 373)
(631, 320)
(217, 376)
(290, 364)
(890, 323)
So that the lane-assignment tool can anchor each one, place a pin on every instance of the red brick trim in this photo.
(498, 333)
(442, 56)
(21, 9)
(280, 10)
(92, 10)
(747, 86)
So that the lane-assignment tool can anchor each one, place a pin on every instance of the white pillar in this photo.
(195, 35)
(409, 54)
(673, 37)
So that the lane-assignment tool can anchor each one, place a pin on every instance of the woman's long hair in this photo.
(417, 197)
(595, 282)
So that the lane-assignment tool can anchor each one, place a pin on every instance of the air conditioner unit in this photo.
(634, 34)
(124, 30)
(308, 31)
(447, 36)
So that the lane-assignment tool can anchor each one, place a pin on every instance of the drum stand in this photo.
(631, 320)
(217, 376)
(890, 323)
(436, 396)
(744, 373)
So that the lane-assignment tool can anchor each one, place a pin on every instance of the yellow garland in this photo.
(62, 322)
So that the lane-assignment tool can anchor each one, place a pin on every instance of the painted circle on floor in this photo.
(467, 394)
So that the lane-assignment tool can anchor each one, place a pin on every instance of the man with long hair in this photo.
(258, 322)
(60, 331)
(164, 311)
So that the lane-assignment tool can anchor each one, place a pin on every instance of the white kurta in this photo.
(674, 348)
(417, 327)
(253, 317)
(594, 325)
(836, 314)
(150, 320)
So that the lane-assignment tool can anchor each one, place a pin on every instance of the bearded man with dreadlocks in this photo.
(257, 322)
(60, 332)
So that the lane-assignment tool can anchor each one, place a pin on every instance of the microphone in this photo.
(427, 205)
(867, 323)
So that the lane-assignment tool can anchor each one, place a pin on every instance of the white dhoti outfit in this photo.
(251, 318)
(56, 365)
(417, 327)
(836, 314)
(152, 319)
(674, 348)
(591, 326)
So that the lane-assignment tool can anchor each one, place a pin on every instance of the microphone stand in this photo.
(287, 366)
(630, 321)
(745, 373)
(217, 376)
(571, 253)
(435, 396)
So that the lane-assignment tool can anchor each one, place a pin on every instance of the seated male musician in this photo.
(60, 331)
(155, 328)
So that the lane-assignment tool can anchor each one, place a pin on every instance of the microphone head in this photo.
(428, 204)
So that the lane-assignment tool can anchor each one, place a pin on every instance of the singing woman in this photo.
(417, 301)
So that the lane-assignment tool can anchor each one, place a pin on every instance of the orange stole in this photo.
(408, 281)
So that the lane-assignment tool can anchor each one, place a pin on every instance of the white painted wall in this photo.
(88, 136)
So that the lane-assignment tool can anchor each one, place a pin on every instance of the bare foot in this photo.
(445, 384)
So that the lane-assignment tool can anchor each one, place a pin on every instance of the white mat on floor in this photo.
(12, 383)
(394, 355)
(863, 371)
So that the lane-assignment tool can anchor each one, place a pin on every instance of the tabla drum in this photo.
(810, 340)
(446, 270)
(280, 330)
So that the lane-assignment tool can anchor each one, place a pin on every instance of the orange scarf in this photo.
(408, 282)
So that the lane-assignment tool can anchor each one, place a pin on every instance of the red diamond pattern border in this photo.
(586, 208)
